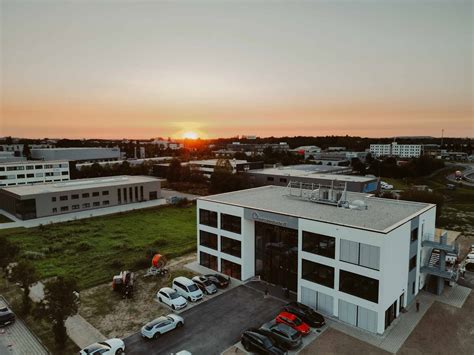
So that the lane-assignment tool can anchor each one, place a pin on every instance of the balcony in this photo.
(436, 245)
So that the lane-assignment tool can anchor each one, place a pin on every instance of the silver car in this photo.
(161, 325)
(206, 285)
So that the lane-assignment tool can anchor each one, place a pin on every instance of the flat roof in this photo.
(74, 148)
(214, 161)
(34, 162)
(79, 184)
(315, 174)
(382, 215)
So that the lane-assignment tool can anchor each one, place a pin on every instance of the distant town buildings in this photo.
(49, 199)
(307, 151)
(396, 150)
(33, 172)
(257, 148)
(82, 154)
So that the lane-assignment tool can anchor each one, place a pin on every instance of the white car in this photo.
(113, 346)
(161, 325)
(171, 298)
(188, 289)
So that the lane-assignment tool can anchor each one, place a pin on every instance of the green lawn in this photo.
(95, 249)
(4, 219)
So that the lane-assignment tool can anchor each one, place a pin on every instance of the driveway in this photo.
(212, 326)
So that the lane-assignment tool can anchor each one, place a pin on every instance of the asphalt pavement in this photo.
(212, 326)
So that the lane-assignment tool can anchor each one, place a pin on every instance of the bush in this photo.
(33, 255)
(117, 264)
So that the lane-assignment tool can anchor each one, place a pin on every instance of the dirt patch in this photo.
(443, 330)
(114, 316)
(333, 341)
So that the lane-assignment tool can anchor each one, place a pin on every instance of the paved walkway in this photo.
(167, 193)
(78, 215)
(401, 328)
(16, 339)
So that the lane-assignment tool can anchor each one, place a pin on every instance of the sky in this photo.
(142, 69)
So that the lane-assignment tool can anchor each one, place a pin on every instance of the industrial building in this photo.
(80, 155)
(313, 174)
(49, 199)
(355, 257)
(257, 148)
(396, 150)
(33, 172)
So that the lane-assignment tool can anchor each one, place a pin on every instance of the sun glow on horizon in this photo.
(190, 135)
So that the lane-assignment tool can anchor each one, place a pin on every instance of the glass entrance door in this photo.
(276, 254)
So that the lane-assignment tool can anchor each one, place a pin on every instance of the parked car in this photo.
(6, 316)
(113, 346)
(306, 314)
(294, 322)
(161, 325)
(205, 284)
(219, 280)
(284, 335)
(188, 289)
(171, 298)
(254, 340)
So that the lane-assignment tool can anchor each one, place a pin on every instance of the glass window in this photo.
(64, 208)
(207, 239)
(95, 193)
(231, 223)
(319, 273)
(63, 198)
(39, 174)
(30, 167)
(231, 269)
(319, 244)
(105, 193)
(412, 263)
(86, 205)
(30, 175)
(208, 218)
(74, 197)
(53, 199)
(414, 234)
(231, 246)
(119, 195)
(208, 260)
(75, 207)
(20, 176)
(96, 203)
(64, 172)
(85, 195)
(270, 178)
(284, 180)
(38, 166)
(359, 286)
(360, 254)
(55, 210)
(106, 202)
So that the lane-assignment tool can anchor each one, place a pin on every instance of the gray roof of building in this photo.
(79, 184)
(382, 215)
(313, 173)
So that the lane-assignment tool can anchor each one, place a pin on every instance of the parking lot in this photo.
(212, 326)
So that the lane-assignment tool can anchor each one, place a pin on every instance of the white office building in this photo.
(396, 150)
(33, 172)
(349, 255)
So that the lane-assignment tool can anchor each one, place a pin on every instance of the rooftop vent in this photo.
(357, 205)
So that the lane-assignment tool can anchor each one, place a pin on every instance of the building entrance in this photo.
(276, 255)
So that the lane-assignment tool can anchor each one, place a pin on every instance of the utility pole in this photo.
(442, 135)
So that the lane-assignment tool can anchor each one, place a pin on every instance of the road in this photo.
(467, 172)
(213, 326)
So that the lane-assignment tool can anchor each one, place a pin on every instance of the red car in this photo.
(294, 322)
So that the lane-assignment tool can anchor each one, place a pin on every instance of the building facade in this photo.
(33, 172)
(396, 150)
(42, 200)
(77, 154)
(358, 261)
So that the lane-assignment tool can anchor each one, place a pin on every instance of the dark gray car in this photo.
(6, 316)
(284, 335)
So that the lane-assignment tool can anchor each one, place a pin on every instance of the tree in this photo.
(358, 166)
(174, 171)
(25, 273)
(8, 252)
(26, 150)
(60, 303)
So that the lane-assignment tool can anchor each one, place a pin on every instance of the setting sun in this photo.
(190, 135)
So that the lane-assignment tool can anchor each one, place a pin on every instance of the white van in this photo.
(188, 289)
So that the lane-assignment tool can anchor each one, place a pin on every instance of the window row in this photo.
(127, 194)
(228, 245)
(350, 283)
(228, 222)
(227, 267)
(76, 196)
(84, 205)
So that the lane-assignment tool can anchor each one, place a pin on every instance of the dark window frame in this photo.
(317, 273)
(231, 223)
(359, 286)
(231, 246)
(314, 243)
(414, 235)
(208, 240)
(208, 218)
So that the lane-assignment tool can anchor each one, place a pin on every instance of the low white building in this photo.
(349, 255)
(33, 172)
(396, 150)
(82, 154)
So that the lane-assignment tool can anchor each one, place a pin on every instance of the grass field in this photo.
(95, 249)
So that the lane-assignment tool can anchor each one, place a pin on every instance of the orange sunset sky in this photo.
(222, 68)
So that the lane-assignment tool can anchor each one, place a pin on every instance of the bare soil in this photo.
(114, 316)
